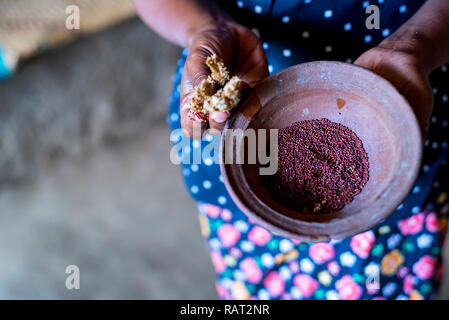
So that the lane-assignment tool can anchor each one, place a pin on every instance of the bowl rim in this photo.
(282, 225)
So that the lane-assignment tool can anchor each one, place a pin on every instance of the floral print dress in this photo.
(398, 259)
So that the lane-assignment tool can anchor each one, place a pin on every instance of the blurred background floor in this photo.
(120, 214)
(85, 176)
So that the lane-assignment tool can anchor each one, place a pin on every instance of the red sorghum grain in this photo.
(204, 117)
(322, 166)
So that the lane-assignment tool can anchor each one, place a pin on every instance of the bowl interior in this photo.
(342, 93)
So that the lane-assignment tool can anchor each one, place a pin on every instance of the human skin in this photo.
(405, 58)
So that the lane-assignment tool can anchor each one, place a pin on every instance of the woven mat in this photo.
(30, 26)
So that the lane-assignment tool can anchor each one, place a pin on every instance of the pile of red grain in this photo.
(322, 167)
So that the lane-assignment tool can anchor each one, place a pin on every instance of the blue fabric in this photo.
(298, 31)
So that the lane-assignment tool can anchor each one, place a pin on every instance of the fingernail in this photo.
(219, 117)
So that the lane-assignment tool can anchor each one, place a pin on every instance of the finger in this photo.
(217, 120)
(257, 71)
(219, 43)
(196, 70)
(193, 126)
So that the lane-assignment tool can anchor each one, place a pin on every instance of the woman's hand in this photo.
(406, 71)
(205, 29)
(242, 54)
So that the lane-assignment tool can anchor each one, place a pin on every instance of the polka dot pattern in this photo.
(285, 19)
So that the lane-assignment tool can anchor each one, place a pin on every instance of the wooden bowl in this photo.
(343, 93)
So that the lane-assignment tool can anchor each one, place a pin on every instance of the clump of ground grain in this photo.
(218, 92)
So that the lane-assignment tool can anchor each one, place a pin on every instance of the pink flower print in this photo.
(259, 236)
(228, 235)
(403, 272)
(425, 267)
(306, 284)
(412, 225)
(362, 243)
(348, 289)
(321, 252)
(286, 296)
(408, 284)
(251, 270)
(217, 261)
(432, 222)
(295, 242)
(212, 211)
(333, 268)
(235, 252)
(274, 284)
